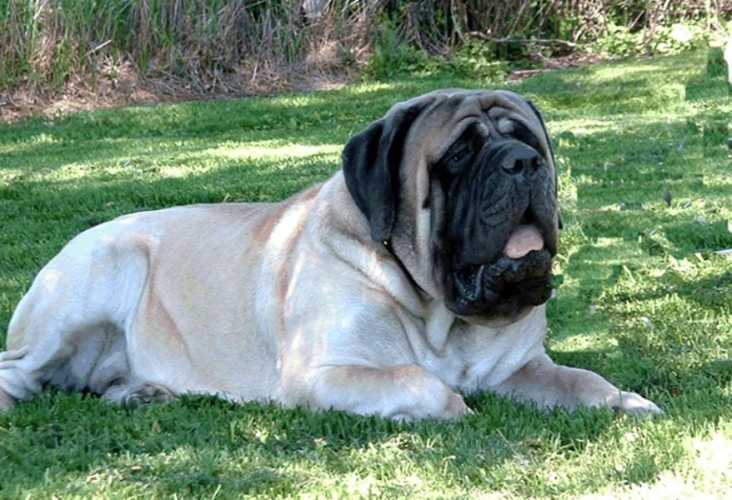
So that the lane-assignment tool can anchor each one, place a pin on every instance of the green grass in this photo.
(645, 300)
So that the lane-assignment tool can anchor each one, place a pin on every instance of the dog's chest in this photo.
(470, 357)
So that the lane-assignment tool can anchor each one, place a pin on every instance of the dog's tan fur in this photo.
(290, 302)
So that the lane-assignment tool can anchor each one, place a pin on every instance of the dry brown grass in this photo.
(63, 55)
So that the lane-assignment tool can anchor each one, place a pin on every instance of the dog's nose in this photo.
(520, 158)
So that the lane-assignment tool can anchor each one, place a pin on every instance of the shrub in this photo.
(621, 41)
(477, 60)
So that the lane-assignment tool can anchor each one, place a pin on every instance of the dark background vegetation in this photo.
(142, 50)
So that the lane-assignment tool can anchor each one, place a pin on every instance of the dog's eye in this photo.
(462, 152)
(457, 160)
(460, 155)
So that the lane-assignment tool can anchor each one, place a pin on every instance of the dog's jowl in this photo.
(416, 274)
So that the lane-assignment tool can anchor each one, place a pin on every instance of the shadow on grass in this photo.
(614, 88)
(108, 136)
(199, 444)
(299, 116)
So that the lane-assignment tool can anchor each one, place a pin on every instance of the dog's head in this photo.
(463, 185)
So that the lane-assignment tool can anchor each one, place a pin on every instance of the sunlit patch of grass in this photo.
(266, 149)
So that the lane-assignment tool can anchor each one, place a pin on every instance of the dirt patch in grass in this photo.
(123, 86)
(574, 60)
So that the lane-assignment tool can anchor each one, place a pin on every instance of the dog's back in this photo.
(148, 283)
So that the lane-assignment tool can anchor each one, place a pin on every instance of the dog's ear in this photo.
(371, 161)
(551, 150)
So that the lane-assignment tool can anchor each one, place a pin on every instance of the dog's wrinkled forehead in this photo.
(414, 135)
(447, 113)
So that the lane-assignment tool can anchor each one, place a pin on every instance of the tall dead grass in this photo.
(205, 46)
(213, 47)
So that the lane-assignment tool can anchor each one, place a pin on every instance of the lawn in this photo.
(645, 300)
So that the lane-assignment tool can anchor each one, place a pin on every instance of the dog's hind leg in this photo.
(14, 387)
(69, 329)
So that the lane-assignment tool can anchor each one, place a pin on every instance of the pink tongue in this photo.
(523, 240)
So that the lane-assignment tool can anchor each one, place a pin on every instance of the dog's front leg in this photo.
(547, 384)
(405, 392)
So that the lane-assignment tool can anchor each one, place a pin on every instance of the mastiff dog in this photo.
(417, 274)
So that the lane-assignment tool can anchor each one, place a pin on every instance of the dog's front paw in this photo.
(633, 404)
(451, 407)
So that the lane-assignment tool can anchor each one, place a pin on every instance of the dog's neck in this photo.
(387, 244)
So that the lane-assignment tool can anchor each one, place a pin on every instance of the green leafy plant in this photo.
(392, 57)
(678, 37)
(622, 41)
(477, 59)
(619, 41)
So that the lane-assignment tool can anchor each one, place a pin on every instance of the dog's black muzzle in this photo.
(510, 186)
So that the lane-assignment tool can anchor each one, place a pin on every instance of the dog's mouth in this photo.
(520, 277)
(499, 230)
